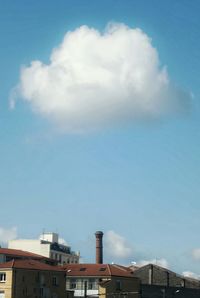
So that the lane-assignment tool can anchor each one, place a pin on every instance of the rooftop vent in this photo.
(102, 269)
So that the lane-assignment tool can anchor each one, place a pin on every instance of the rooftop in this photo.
(101, 270)
(29, 264)
(20, 253)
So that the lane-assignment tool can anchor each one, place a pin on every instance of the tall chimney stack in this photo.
(99, 247)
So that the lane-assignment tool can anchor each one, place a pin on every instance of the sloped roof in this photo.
(29, 264)
(20, 253)
(99, 270)
(138, 269)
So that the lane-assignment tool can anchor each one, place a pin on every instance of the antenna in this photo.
(43, 232)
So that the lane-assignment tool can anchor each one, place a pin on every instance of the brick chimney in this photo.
(99, 247)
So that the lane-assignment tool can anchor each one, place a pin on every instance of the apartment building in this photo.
(30, 278)
(48, 246)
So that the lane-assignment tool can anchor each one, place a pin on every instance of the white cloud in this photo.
(117, 246)
(99, 79)
(196, 253)
(160, 262)
(7, 234)
(62, 241)
(191, 274)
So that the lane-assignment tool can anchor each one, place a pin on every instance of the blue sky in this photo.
(140, 180)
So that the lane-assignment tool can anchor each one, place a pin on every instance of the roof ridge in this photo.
(120, 267)
(13, 263)
(109, 269)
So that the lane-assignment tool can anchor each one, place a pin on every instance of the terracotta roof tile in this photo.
(101, 270)
(20, 253)
(29, 264)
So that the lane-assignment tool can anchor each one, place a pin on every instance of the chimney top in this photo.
(100, 233)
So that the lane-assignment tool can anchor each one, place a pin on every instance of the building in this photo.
(30, 278)
(48, 246)
(101, 280)
(8, 254)
(157, 281)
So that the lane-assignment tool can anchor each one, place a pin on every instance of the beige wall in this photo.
(30, 245)
(7, 285)
(21, 283)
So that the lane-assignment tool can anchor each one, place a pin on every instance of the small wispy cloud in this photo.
(96, 80)
(7, 234)
(117, 246)
(191, 274)
(196, 254)
(62, 241)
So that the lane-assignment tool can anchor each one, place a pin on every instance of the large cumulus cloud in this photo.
(98, 79)
(7, 234)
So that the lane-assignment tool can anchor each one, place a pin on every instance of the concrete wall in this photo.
(31, 283)
(51, 237)
(150, 291)
(120, 287)
(155, 275)
(33, 246)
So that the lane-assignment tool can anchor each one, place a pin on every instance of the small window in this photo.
(2, 277)
(25, 291)
(82, 269)
(41, 292)
(91, 284)
(73, 283)
(55, 281)
(42, 279)
(118, 285)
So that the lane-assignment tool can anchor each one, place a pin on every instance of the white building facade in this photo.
(47, 245)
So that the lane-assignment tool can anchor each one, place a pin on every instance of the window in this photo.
(82, 269)
(25, 292)
(55, 281)
(118, 285)
(73, 283)
(41, 292)
(91, 284)
(42, 279)
(37, 277)
(2, 277)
